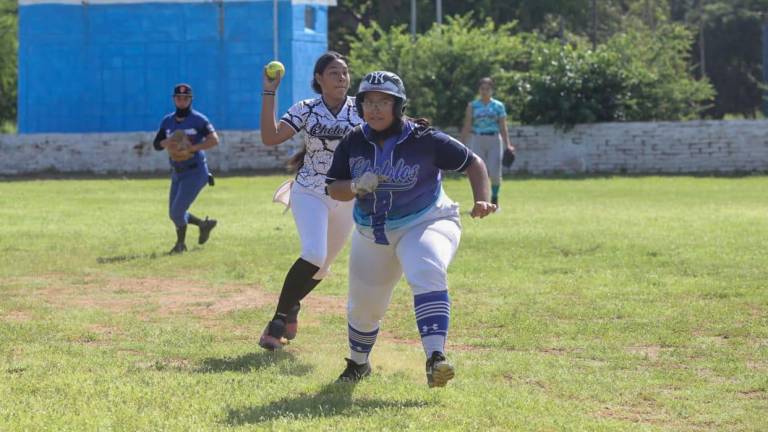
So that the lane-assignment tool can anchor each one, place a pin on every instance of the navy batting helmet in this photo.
(384, 82)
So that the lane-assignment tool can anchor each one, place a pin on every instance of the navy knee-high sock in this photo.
(433, 314)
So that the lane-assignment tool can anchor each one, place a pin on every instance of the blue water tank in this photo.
(110, 65)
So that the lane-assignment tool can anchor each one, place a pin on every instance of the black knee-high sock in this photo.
(181, 234)
(295, 281)
(194, 220)
(311, 284)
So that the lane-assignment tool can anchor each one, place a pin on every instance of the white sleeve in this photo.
(296, 117)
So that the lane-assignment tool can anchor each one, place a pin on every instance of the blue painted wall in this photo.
(112, 67)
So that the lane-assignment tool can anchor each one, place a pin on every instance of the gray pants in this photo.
(489, 148)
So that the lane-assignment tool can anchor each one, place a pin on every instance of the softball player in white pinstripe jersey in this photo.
(323, 223)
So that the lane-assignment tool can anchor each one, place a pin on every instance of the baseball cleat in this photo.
(439, 371)
(292, 323)
(354, 372)
(272, 338)
(206, 227)
(178, 248)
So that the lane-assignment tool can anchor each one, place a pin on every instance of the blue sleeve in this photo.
(450, 154)
(339, 169)
(205, 128)
(502, 110)
(161, 135)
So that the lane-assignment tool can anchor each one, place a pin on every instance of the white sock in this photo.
(433, 343)
(358, 357)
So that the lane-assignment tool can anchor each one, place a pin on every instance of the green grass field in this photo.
(635, 303)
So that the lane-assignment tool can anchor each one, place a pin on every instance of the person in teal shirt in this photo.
(486, 121)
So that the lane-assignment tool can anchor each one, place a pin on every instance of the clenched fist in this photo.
(482, 209)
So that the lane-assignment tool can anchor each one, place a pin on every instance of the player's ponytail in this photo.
(296, 161)
(421, 121)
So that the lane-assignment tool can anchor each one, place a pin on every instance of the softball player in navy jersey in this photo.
(486, 118)
(405, 222)
(190, 169)
(323, 223)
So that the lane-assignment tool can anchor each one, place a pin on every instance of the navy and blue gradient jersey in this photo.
(411, 162)
(195, 125)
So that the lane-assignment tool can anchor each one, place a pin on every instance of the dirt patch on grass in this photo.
(405, 341)
(644, 412)
(106, 332)
(754, 394)
(16, 316)
(650, 352)
(713, 339)
(513, 379)
(163, 364)
(159, 297)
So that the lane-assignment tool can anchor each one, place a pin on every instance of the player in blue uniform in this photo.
(486, 118)
(405, 222)
(190, 170)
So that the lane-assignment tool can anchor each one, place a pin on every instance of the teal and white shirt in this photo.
(485, 117)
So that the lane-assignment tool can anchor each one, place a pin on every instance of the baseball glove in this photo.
(509, 158)
(179, 146)
(366, 183)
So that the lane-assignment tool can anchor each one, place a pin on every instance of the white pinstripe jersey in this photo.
(322, 133)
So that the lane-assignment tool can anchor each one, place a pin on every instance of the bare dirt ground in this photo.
(156, 297)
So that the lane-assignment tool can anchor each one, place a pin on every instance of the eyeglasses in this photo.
(377, 105)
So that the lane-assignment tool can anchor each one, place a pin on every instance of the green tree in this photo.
(638, 75)
(441, 67)
(728, 52)
(8, 69)
(727, 32)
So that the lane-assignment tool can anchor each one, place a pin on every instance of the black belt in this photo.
(486, 133)
(181, 169)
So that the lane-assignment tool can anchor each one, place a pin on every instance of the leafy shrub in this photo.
(638, 75)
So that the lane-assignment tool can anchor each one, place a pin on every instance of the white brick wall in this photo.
(129, 153)
(659, 147)
(664, 147)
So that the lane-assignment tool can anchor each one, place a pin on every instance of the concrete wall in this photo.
(657, 147)
(637, 148)
(110, 65)
(131, 152)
